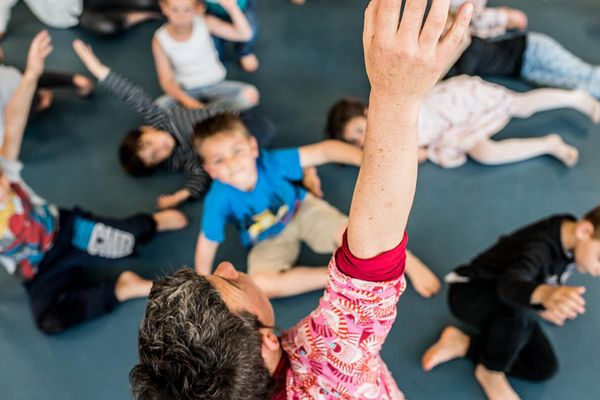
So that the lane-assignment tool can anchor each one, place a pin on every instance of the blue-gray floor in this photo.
(310, 56)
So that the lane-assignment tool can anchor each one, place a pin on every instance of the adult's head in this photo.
(347, 121)
(145, 148)
(206, 337)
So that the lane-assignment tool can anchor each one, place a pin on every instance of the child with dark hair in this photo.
(243, 49)
(49, 247)
(498, 294)
(187, 62)
(531, 56)
(213, 337)
(460, 116)
(166, 140)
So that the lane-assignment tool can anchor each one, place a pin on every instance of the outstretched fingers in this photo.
(453, 38)
(412, 20)
(435, 24)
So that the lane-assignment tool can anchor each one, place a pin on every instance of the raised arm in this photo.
(239, 30)
(403, 61)
(131, 94)
(17, 109)
(330, 151)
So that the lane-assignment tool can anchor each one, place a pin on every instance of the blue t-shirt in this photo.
(263, 212)
(213, 7)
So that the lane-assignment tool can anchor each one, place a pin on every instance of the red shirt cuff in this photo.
(387, 266)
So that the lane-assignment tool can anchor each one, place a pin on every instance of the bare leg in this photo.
(169, 220)
(538, 100)
(495, 384)
(421, 277)
(512, 150)
(453, 343)
(131, 286)
(292, 282)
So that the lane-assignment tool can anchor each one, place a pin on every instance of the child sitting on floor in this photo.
(48, 247)
(166, 139)
(214, 337)
(461, 115)
(187, 62)
(498, 293)
(533, 57)
(255, 191)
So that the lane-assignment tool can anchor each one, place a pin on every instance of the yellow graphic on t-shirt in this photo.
(7, 210)
(265, 220)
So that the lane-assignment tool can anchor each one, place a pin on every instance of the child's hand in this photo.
(172, 200)
(228, 4)
(561, 302)
(192, 104)
(552, 317)
(40, 47)
(89, 59)
(404, 61)
(312, 182)
(517, 19)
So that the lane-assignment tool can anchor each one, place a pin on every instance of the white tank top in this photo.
(194, 61)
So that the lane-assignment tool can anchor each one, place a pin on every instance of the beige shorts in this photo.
(316, 223)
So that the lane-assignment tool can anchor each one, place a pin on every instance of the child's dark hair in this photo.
(129, 157)
(593, 216)
(218, 123)
(340, 114)
(191, 346)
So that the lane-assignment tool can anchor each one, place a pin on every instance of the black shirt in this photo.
(502, 57)
(523, 260)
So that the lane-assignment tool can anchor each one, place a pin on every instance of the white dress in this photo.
(460, 112)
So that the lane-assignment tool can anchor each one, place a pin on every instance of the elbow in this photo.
(246, 35)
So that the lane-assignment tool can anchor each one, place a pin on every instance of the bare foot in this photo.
(131, 286)
(590, 104)
(45, 99)
(423, 280)
(249, 63)
(84, 85)
(298, 2)
(495, 384)
(170, 220)
(453, 343)
(566, 153)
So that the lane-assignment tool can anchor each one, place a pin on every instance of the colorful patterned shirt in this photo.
(334, 352)
(28, 224)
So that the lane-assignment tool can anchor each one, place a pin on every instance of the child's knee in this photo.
(250, 96)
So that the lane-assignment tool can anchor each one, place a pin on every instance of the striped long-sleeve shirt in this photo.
(178, 121)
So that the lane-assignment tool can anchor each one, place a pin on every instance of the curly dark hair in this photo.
(340, 114)
(218, 123)
(593, 216)
(191, 346)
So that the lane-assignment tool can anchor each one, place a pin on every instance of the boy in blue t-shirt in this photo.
(256, 192)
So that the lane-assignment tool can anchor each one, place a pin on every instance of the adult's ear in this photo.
(270, 341)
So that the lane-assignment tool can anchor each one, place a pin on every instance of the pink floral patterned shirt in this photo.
(334, 352)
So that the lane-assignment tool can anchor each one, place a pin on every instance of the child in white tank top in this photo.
(187, 62)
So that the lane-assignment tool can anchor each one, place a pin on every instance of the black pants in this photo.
(109, 17)
(59, 296)
(508, 339)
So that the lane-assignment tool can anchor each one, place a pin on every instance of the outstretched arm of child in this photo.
(205, 255)
(560, 302)
(403, 60)
(166, 78)
(239, 30)
(17, 109)
(329, 151)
